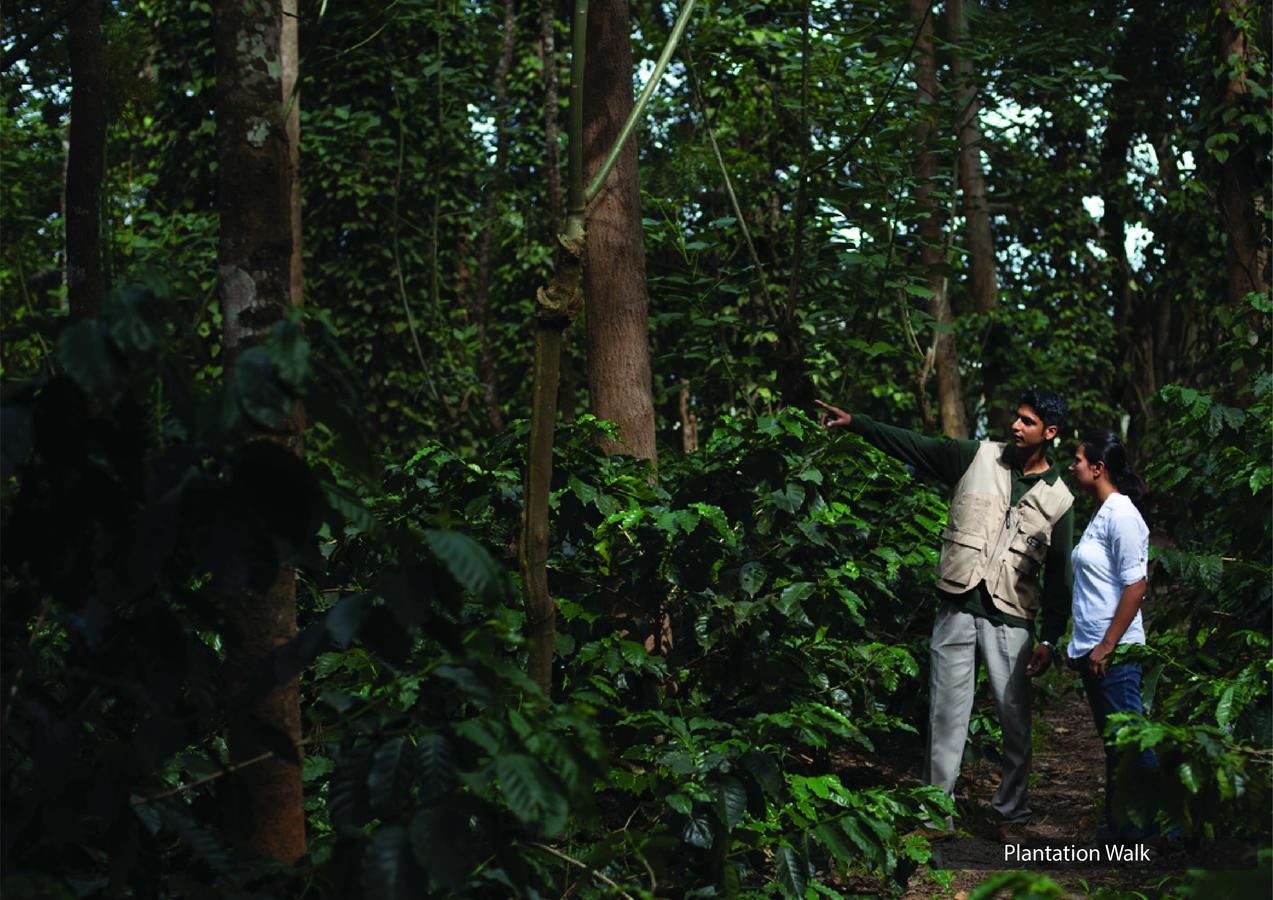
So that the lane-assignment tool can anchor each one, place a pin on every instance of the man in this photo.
(1010, 521)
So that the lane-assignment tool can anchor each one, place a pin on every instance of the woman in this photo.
(1110, 580)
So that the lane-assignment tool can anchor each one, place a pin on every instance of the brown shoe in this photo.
(1015, 833)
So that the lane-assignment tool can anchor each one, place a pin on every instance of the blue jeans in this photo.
(1118, 691)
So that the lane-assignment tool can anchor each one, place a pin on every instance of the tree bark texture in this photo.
(86, 160)
(552, 162)
(490, 213)
(949, 387)
(619, 379)
(290, 52)
(1133, 308)
(1246, 254)
(794, 386)
(978, 234)
(256, 270)
(555, 308)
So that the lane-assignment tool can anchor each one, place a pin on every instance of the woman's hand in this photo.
(1098, 660)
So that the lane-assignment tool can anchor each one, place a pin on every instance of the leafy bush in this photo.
(785, 566)
(1206, 668)
(781, 568)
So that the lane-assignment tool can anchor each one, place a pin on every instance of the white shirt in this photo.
(1112, 553)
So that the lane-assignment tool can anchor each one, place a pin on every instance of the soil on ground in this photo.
(1066, 796)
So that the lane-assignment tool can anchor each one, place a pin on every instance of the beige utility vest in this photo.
(986, 538)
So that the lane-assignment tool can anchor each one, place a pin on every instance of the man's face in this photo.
(1028, 431)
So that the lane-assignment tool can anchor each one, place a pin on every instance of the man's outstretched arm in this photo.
(942, 459)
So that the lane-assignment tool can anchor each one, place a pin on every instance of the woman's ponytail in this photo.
(1100, 446)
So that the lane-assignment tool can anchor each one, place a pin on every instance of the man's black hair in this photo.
(1050, 405)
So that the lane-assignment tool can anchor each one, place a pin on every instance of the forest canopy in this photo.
(412, 482)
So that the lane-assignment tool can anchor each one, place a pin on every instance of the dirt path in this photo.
(1066, 791)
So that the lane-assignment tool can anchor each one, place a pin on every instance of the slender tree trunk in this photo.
(977, 231)
(1247, 256)
(1133, 315)
(290, 53)
(793, 385)
(86, 280)
(548, 45)
(949, 388)
(619, 380)
(552, 162)
(555, 308)
(689, 421)
(490, 212)
(257, 273)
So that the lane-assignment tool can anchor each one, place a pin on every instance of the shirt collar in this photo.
(1049, 475)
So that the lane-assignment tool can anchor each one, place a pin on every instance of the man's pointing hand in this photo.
(834, 417)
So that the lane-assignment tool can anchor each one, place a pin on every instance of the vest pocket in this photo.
(1027, 552)
(962, 553)
(969, 511)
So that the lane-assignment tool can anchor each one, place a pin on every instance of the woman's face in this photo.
(1085, 474)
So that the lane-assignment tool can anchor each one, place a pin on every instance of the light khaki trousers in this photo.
(959, 638)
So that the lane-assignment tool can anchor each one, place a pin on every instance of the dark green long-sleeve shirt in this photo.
(945, 460)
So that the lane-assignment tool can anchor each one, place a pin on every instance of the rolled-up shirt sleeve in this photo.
(1129, 546)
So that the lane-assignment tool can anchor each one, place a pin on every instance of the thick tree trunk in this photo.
(490, 211)
(978, 235)
(1246, 255)
(619, 380)
(257, 272)
(86, 159)
(949, 388)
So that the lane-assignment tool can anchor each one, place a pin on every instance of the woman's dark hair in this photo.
(1100, 446)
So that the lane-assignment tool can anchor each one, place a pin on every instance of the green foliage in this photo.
(1021, 884)
(780, 562)
(790, 572)
(1206, 668)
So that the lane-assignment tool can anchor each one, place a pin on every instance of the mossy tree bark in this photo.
(257, 273)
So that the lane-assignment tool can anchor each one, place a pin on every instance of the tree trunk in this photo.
(290, 54)
(1245, 253)
(619, 381)
(949, 389)
(983, 282)
(86, 280)
(552, 162)
(794, 386)
(490, 212)
(1132, 315)
(257, 273)
(555, 308)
